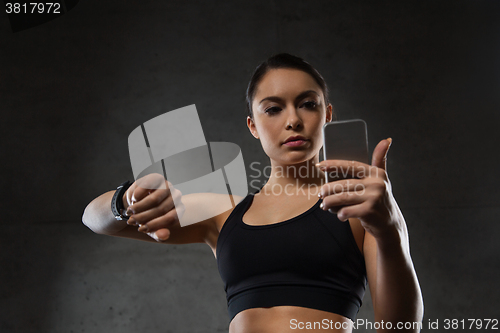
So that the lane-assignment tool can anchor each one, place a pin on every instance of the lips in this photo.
(295, 141)
(295, 138)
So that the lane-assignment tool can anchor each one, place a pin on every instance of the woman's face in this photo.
(289, 112)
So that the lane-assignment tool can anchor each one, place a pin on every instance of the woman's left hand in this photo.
(366, 193)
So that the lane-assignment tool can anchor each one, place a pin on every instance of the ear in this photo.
(329, 113)
(252, 128)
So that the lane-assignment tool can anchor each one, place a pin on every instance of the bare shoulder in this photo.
(214, 225)
(221, 218)
(206, 213)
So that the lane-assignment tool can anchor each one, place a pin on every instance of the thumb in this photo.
(379, 157)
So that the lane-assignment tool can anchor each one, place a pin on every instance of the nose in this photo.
(293, 121)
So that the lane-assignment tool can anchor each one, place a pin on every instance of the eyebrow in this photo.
(299, 97)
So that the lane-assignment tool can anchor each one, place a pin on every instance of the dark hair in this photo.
(282, 60)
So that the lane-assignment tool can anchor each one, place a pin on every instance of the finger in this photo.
(132, 221)
(151, 214)
(343, 199)
(342, 169)
(138, 194)
(331, 164)
(339, 186)
(148, 184)
(151, 201)
(379, 157)
(163, 221)
(154, 236)
(150, 217)
(353, 211)
(334, 210)
(162, 234)
(153, 181)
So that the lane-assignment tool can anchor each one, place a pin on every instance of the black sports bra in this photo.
(311, 260)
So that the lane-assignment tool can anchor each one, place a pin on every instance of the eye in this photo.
(310, 105)
(272, 110)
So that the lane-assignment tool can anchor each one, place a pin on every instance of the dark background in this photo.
(426, 73)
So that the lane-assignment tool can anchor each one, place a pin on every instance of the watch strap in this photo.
(117, 201)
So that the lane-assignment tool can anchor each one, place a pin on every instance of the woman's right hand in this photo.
(150, 204)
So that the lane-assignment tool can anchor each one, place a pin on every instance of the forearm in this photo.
(99, 218)
(398, 297)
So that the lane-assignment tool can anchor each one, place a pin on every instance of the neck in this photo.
(295, 178)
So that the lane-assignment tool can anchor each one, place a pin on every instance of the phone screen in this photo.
(345, 140)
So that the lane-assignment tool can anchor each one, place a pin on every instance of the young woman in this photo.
(298, 253)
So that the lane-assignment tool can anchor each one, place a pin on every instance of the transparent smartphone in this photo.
(345, 140)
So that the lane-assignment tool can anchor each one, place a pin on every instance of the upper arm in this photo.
(194, 233)
(201, 231)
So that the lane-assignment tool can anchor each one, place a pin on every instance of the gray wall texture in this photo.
(426, 73)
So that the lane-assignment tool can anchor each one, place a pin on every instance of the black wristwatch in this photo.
(117, 202)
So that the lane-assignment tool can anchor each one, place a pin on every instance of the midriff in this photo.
(288, 319)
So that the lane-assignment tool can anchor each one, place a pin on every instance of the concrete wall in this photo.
(426, 73)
